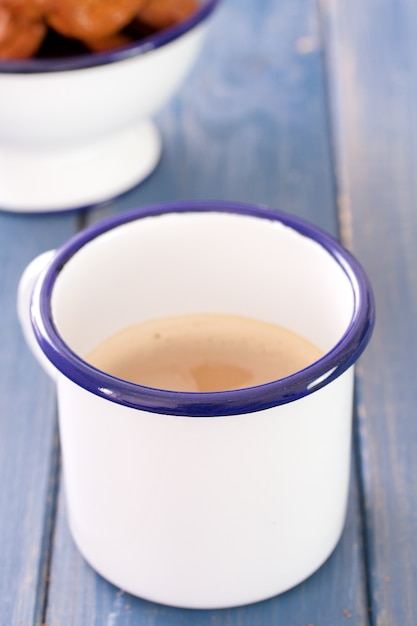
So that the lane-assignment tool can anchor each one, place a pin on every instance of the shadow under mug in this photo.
(202, 500)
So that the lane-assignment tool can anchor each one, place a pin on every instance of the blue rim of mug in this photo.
(206, 404)
(93, 59)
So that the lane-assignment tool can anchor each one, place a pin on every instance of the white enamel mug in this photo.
(202, 500)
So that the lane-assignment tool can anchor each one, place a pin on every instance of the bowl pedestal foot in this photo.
(79, 175)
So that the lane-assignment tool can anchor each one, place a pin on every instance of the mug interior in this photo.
(202, 257)
(187, 263)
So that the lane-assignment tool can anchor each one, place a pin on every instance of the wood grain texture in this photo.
(249, 124)
(28, 442)
(372, 64)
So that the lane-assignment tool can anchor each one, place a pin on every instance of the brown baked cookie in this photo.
(22, 28)
(160, 14)
(24, 10)
(90, 20)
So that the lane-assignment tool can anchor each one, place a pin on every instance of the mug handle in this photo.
(24, 295)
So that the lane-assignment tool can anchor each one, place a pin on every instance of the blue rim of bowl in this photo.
(206, 404)
(93, 59)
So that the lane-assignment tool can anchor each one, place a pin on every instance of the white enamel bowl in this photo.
(77, 131)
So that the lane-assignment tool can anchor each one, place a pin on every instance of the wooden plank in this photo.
(28, 442)
(374, 90)
(249, 124)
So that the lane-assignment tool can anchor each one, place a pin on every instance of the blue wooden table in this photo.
(311, 108)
